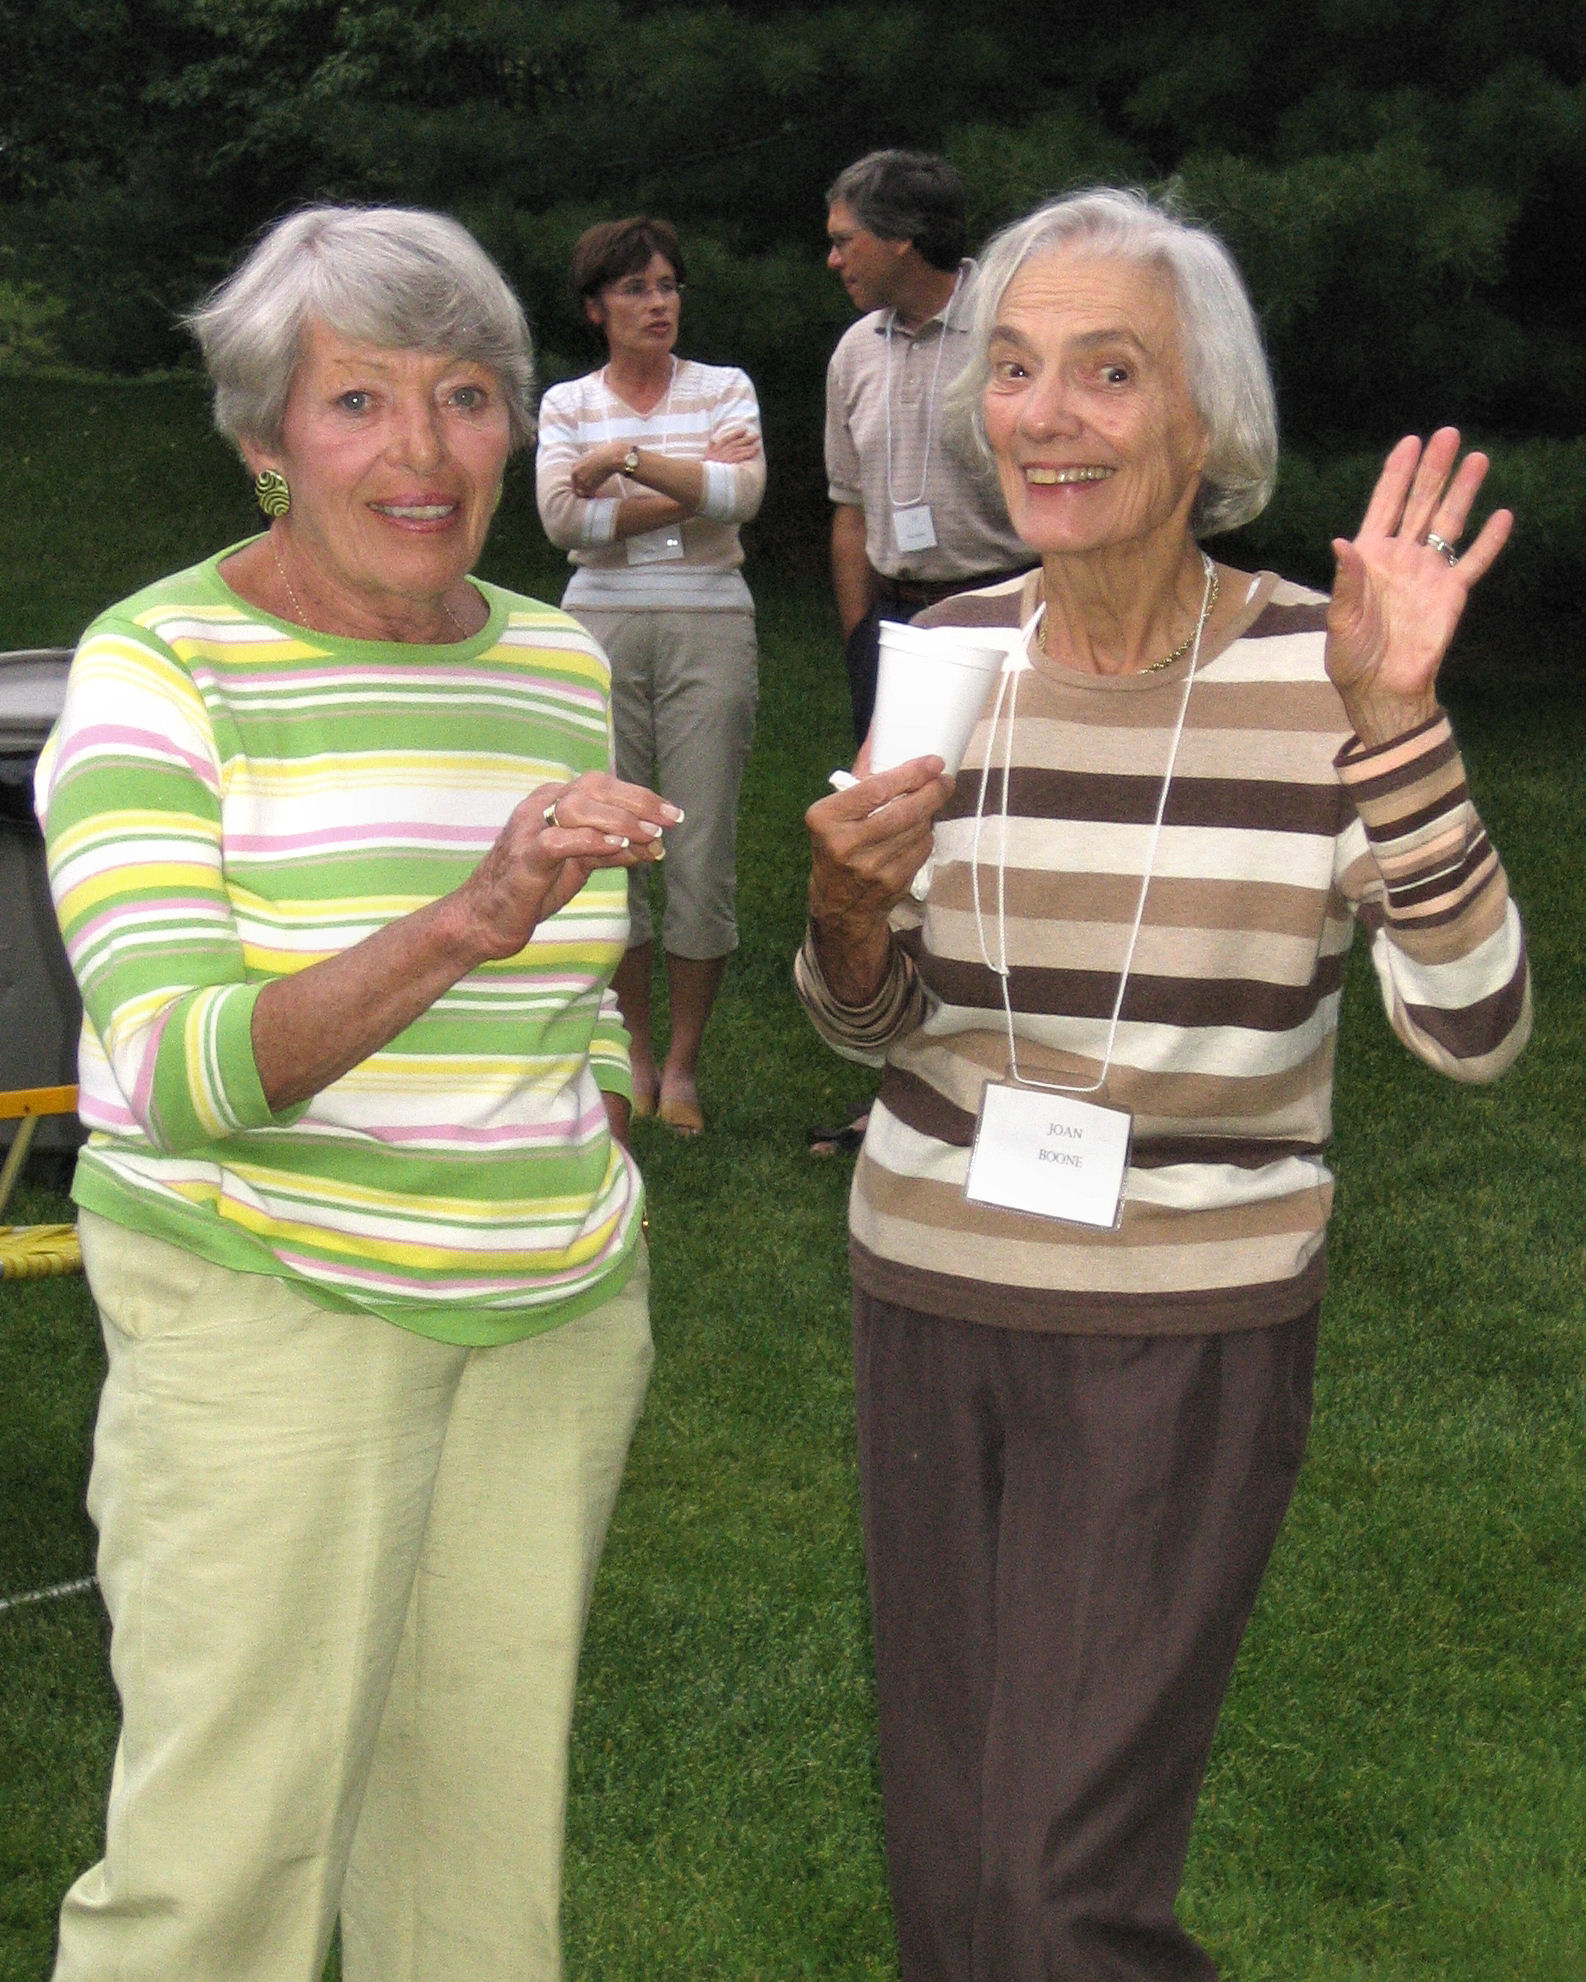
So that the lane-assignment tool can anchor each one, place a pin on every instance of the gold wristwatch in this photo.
(630, 462)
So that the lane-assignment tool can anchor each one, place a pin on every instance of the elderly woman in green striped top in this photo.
(340, 864)
(1088, 1218)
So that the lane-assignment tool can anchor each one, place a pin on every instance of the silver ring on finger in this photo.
(1434, 542)
(549, 814)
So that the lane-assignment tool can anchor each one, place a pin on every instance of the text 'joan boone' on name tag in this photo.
(1049, 1154)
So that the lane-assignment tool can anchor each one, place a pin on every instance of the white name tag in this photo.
(914, 529)
(657, 546)
(1050, 1154)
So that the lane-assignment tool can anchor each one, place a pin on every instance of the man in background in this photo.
(912, 521)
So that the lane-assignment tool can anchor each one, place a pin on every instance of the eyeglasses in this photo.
(635, 289)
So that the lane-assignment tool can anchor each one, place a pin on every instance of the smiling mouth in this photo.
(415, 512)
(1064, 477)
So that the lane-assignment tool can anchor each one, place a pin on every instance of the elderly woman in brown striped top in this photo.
(1089, 1215)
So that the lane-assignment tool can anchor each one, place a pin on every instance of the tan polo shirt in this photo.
(973, 534)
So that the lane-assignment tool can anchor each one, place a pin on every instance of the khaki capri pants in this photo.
(347, 1570)
(683, 692)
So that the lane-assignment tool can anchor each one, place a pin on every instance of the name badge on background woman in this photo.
(657, 546)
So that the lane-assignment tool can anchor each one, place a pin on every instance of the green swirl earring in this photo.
(271, 492)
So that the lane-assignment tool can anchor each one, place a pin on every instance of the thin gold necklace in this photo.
(1186, 643)
(302, 617)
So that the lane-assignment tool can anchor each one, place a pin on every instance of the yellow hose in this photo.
(29, 1252)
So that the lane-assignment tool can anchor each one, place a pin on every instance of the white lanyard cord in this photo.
(1001, 966)
(1011, 671)
(666, 415)
(930, 402)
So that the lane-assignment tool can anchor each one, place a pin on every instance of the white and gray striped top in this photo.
(704, 403)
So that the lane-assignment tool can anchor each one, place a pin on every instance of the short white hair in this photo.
(394, 276)
(1224, 362)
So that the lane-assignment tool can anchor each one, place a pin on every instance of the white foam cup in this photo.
(932, 685)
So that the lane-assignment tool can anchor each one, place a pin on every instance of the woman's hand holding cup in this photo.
(869, 842)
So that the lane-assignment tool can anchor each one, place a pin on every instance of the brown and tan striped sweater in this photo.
(1282, 831)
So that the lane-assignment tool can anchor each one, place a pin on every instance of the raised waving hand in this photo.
(1401, 585)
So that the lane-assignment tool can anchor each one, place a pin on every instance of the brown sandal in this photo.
(684, 1118)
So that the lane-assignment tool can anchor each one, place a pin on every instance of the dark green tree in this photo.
(1401, 179)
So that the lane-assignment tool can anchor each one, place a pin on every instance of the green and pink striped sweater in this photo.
(227, 799)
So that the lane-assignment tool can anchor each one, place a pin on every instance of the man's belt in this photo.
(919, 592)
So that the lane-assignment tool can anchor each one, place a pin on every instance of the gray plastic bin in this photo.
(39, 1008)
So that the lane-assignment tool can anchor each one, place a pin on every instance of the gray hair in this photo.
(1224, 362)
(907, 196)
(394, 276)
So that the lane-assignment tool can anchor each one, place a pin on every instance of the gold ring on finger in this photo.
(549, 814)
(1434, 542)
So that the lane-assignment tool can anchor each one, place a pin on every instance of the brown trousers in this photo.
(1065, 1537)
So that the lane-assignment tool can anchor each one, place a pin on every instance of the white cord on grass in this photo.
(55, 1590)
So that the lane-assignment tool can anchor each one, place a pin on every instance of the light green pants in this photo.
(347, 1571)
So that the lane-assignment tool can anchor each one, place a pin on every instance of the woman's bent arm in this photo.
(570, 522)
(130, 793)
(868, 844)
(311, 1028)
(1426, 883)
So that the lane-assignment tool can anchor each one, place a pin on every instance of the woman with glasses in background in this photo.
(646, 469)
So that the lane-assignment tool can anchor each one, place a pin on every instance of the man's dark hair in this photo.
(907, 196)
(613, 249)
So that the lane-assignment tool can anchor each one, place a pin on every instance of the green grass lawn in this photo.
(1399, 1785)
